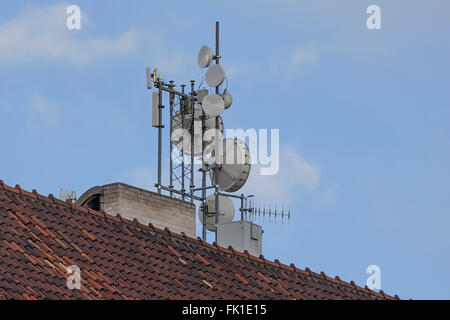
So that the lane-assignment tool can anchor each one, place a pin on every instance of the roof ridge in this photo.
(214, 246)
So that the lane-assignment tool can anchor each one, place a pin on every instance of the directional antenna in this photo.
(205, 56)
(149, 78)
(201, 94)
(227, 98)
(233, 161)
(226, 211)
(213, 105)
(215, 75)
(261, 212)
(154, 75)
(181, 129)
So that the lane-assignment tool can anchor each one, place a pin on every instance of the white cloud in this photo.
(303, 56)
(290, 61)
(41, 33)
(168, 60)
(42, 114)
(297, 177)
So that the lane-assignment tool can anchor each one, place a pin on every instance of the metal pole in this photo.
(182, 148)
(246, 216)
(242, 207)
(203, 179)
(216, 140)
(172, 97)
(159, 136)
(192, 139)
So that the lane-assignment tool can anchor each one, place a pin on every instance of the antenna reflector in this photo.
(182, 128)
(227, 98)
(201, 94)
(226, 211)
(213, 104)
(181, 137)
(215, 75)
(149, 78)
(155, 107)
(205, 57)
(233, 159)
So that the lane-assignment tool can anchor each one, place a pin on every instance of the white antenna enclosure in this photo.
(213, 105)
(155, 109)
(226, 211)
(149, 78)
(215, 75)
(205, 56)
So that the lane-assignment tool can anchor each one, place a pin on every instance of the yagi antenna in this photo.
(261, 213)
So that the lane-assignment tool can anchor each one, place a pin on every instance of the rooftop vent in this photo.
(146, 206)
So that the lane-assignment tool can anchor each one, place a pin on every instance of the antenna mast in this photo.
(216, 176)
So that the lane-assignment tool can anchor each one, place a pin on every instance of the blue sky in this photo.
(363, 117)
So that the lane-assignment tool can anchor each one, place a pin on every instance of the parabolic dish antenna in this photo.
(215, 75)
(226, 211)
(233, 161)
(181, 137)
(205, 56)
(227, 98)
(213, 104)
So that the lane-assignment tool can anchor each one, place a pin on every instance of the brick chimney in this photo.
(146, 206)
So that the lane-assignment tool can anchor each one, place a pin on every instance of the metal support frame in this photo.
(171, 102)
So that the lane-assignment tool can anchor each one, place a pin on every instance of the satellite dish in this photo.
(215, 75)
(226, 211)
(213, 104)
(201, 94)
(233, 161)
(227, 98)
(205, 56)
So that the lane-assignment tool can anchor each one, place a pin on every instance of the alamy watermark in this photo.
(374, 280)
(374, 20)
(261, 151)
(74, 278)
(73, 22)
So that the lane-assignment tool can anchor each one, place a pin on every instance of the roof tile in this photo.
(122, 259)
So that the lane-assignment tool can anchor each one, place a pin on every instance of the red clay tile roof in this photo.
(40, 237)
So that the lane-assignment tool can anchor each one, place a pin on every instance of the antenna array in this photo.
(196, 130)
